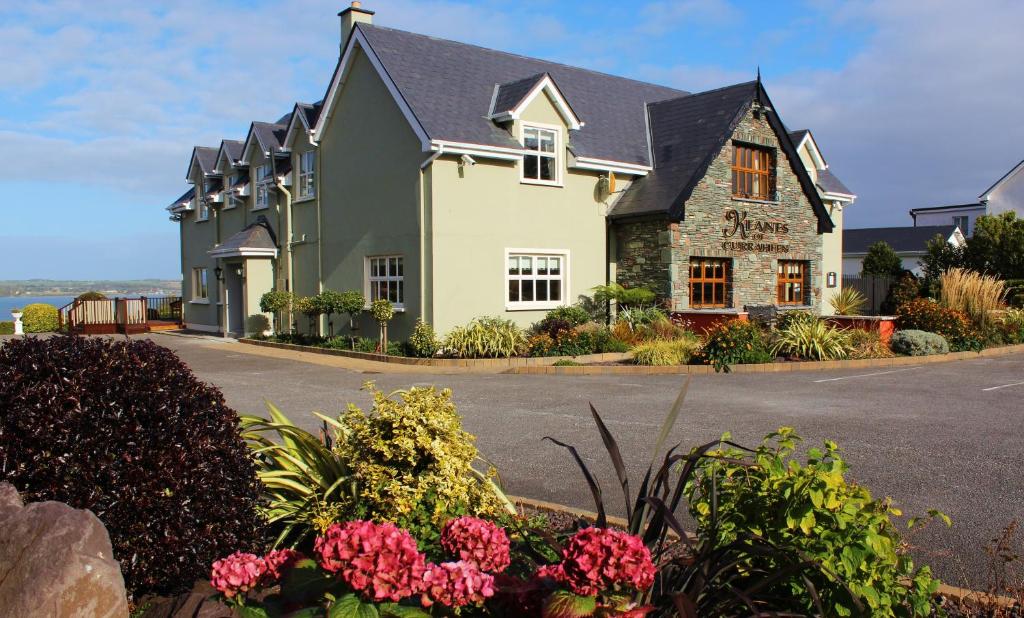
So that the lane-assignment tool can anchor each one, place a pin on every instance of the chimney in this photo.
(351, 16)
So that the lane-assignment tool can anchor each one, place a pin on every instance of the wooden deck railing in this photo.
(118, 315)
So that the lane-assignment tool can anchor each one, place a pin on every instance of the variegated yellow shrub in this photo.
(413, 462)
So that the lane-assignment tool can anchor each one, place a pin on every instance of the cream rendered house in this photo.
(458, 182)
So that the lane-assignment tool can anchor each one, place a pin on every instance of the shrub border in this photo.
(544, 365)
(953, 592)
(494, 363)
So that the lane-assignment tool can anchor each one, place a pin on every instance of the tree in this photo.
(997, 246)
(276, 302)
(940, 257)
(382, 310)
(882, 261)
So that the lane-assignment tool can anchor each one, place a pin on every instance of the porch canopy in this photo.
(255, 240)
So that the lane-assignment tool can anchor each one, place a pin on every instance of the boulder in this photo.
(56, 561)
(195, 604)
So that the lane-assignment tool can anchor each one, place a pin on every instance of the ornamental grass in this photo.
(972, 293)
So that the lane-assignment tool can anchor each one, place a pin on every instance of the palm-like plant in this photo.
(304, 481)
(812, 340)
(849, 301)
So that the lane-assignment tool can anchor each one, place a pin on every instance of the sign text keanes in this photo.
(752, 233)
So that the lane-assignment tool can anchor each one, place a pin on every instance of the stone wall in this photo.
(656, 252)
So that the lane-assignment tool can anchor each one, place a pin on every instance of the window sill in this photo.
(308, 198)
(731, 310)
(255, 208)
(541, 183)
(199, 301)
(202, 220)
(754, 201)
(395, 307)
(534, 306)
(794, 307)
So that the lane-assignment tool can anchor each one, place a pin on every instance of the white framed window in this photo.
(385, 278)
(307, 174)
(230, 197)
(202, 208)
(962, 222)
(200, 291)
(536, 278)
(264, 180)
(541, 163)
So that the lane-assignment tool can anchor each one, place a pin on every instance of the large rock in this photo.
(56, 561)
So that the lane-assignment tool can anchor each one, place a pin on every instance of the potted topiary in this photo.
(19, 329)
(382, 310)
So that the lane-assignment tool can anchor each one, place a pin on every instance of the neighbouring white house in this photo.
(910, 243)
(1006, 195)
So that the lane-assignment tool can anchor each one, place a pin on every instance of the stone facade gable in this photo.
(657, 252)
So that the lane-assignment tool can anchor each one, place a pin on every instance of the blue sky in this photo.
(913, 103)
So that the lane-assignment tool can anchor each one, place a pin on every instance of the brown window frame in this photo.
(750, 163)
(784, 280)
(719, 280)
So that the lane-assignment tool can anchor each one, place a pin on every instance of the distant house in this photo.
(1007, 194)
(910, 243)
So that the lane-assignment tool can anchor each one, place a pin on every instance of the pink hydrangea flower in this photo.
(380, 561)
(455, 584)
(479, 541)
(238, 573)
(280, 561)
(597, 559)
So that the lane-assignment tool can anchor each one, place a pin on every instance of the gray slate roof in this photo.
(449, 86)
(184, 197)
(798, 136)
(270, 135)
(207, 158)
(828, 183)
(256, 235)
(901, 239)
(233, 148)
(949, 207)
(310, 112)
(510, 94)
(687, 132)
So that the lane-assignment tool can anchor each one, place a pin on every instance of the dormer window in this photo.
(307, 174)
(263, 182)
(753, 172)
(540, 162)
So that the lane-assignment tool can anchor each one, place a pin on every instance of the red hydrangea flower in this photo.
(381, 561)
(280, 561)
(479, 541)
(454, 584)
(597, 559)
(238, 573)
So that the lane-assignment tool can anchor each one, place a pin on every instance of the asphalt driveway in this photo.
(947, 435)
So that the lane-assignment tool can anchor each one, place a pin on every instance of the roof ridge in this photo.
(705, 92)
(534, 58)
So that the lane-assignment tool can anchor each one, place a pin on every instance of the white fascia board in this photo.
(341, 73)
(545, 85)
(477, 150)
(812, 148)
(227, 253)
(839, 197)
(192, 163)
(605, 165)
(292, 125)
(249, 140)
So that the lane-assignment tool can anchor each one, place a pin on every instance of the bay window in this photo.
(536, 280)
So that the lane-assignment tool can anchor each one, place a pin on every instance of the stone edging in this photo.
(899, 361)
(482, 363)
(953, 592)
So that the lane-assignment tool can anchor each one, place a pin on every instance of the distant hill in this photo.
(60, 287)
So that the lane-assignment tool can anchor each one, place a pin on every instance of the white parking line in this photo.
(867, 375)
(995, 388)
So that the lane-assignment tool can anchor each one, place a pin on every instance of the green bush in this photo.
(367, 345)
(413, 463)
(6, 328)
(812, 339)
(276, 300)
(1015, 293)
(918, 343)
(91, 295)
(930, 316)
(849, 301)
(488, 337)
(604, 341)
(40, 318)
(867, 344)
(787, 319)
(735, 343)
(624, 297)
(566, 362)
(881, 261)
(573, 314)
(661, 352)
(810, 506)
(423, 342)
(1012, 325)
(902, 291)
